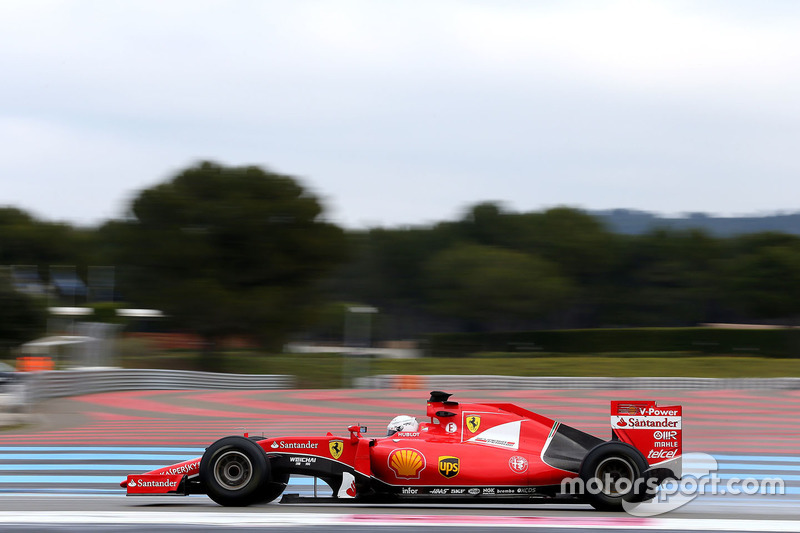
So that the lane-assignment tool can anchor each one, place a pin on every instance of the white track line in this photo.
(262, 520)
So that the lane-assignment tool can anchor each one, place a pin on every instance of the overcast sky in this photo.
(405, 112)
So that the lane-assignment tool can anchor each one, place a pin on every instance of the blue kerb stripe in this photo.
(97, 456)
(751, 466)
(764, 496)
(116, 480)
(758, 458)
(729, 475)
(82, 466)
(172, 449)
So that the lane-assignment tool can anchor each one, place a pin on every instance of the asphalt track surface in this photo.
(62, 472)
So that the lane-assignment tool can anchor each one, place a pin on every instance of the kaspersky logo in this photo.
(449, 466)
(406, 463)
(473, 423)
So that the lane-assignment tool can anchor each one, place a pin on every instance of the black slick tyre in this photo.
(235, 471)
(609, 473)
(274, 488)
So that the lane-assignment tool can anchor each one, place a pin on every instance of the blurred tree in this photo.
(22, 317)
(24, 240)
(664, 278)
(764, 275)
(483, 284)
(226, 251)
(577, 242)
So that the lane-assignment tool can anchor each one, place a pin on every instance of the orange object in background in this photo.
(34, 363)
(409, 382)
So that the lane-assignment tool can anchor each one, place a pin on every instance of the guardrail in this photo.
(62, 383)
(445, 382)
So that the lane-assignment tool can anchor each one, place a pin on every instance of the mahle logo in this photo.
(473, 423)
(449, 466)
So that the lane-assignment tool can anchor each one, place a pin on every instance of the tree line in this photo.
(245, 251)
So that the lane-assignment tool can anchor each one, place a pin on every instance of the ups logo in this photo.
(449, 466)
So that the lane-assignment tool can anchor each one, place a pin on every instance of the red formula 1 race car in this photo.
(468, 451)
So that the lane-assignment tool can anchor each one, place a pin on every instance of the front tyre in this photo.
(235, 471)
(274, 488)
(610, 472)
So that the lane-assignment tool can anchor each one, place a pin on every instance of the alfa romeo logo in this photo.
(518, 464)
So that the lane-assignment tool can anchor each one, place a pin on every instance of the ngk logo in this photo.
(665, 435)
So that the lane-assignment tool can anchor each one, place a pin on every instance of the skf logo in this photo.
(473, 423)
(336, 447)
(406, 463)
(449, 466)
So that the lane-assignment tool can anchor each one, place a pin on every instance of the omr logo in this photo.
(449, 466)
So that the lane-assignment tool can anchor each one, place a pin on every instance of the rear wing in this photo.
(653, 430)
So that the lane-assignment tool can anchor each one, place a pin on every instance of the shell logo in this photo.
(406, 463)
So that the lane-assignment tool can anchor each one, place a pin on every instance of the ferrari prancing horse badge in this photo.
(336, 448)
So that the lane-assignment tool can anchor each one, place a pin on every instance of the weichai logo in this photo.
(449, 466)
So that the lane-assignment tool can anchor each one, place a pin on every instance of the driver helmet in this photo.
(402, 423)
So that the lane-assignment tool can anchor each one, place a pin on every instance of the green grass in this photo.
(325, 371)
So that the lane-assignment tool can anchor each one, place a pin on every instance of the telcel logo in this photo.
(661, 454)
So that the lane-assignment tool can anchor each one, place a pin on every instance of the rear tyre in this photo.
(235, 471)
(610, 472)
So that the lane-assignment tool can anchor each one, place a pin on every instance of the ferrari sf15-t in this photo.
(465, 452)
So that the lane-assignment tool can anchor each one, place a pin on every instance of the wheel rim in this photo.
(610, 471)
(233, 470)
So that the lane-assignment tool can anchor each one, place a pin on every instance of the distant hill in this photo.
(631, 222)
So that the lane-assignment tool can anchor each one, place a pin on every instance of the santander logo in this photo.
(621, 422)
(132, 483)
